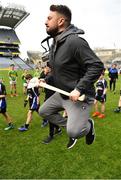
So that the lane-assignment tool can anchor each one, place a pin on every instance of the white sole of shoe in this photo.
(72, 144)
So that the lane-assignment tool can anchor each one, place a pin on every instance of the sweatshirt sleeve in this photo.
(90, 63)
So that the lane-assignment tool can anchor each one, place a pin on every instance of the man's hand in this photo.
(74, 95)
(41, 81)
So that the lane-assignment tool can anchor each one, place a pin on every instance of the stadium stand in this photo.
(10, 17)
(9, 43)
(5, 63)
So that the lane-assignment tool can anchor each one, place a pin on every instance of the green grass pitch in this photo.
(23, 156)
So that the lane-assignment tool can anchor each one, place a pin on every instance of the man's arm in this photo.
(92, 65)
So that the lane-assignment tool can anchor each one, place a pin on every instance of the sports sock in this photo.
(9, 124)
(26, 126)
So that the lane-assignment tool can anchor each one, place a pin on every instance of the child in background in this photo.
(3, 106)
(24, 81)
(37, 72)
(13, 80)
(101, 89)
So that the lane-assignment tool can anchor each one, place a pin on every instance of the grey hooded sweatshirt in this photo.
(74, 64)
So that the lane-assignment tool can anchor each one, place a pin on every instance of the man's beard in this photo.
(53, 32)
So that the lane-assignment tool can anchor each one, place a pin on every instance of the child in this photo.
(13, 80)
(37, 72)
(3, 106)
(101, 89)
(34, 103)
(24, 81)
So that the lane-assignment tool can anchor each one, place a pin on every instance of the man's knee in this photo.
(74, 133)
(77, 132)
(42, 112)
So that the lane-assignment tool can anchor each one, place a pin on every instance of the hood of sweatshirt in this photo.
(70, 30)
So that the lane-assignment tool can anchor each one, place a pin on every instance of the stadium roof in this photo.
(8, 36)
(12, 15)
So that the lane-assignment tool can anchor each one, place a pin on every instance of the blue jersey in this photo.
(113, 73)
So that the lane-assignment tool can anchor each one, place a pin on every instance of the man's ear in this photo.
(61, 21)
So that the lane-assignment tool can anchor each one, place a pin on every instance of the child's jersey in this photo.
(13, 75)
(33, 94)
(100, 87)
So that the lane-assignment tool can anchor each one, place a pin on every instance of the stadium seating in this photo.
(10, 17)
(5, 63)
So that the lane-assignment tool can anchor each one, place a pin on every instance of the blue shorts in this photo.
(2, 105)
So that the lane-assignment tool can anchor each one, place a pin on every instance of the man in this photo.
(75, 69)
(13, 79)
(113, 76)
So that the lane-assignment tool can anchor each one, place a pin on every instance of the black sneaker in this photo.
(58, 131)
(44, 123)
(117, 110)
(90, 137)
(47, 140)
(71, 143)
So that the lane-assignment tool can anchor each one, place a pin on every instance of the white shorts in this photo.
(12, 82)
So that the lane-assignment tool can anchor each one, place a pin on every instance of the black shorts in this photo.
(33, 106)
(37, 109)
(2, 111)
(100, 98)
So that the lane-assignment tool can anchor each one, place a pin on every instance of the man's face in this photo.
(53, 23)
(114, 65)
(46, 70)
